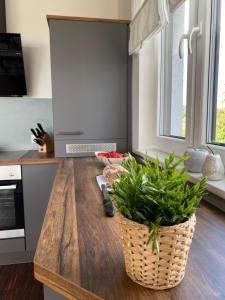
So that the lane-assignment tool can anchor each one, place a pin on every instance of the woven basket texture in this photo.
(161, 270)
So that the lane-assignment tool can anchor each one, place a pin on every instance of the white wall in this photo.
(145, 94)
(28, 17)
(144, 89)
(124, 9)
(148, 92)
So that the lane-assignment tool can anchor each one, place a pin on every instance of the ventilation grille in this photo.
(89, 148)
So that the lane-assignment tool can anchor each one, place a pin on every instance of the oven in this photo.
(11, 202)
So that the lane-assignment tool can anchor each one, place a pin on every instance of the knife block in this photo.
(47, 144)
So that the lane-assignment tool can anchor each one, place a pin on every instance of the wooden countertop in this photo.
(79, 253)
(31, 157)
(85, 19)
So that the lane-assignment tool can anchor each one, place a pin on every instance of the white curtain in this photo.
(149, 17)
(175, 4)
(135, 6)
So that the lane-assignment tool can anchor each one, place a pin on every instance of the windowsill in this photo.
(215, 187)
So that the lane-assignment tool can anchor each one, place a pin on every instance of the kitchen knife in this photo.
(108, 206)
(39, 142)
(39, 133)
(41, 128)
(34, 133)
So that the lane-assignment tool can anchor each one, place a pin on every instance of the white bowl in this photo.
(110, 161)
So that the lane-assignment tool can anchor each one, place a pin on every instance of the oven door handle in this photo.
(8, 187)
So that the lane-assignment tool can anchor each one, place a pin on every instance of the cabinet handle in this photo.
(8, 187)
(70, 133)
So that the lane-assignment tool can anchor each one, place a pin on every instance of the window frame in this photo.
(202, 105)
(166, 82)
(199, 104)
(176, 144)
(213, 73)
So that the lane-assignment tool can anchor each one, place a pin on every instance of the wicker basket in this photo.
(161, 270)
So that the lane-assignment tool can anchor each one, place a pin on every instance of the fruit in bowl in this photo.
(112, 157)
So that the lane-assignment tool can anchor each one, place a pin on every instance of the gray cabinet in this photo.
(49, 294)
(12, 245)
(37, 186)
(90, 83)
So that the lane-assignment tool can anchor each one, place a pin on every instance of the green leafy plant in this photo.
(157, 196)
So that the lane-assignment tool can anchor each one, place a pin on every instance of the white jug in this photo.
(196, 159)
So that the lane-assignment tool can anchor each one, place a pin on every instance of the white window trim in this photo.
(202, 72)
(198, 121)
(165, 142)
(196, 110)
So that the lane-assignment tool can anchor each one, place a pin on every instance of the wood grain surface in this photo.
(80, 255)
(85, 19)
(18, 283)
(32, 157)
(56, 261)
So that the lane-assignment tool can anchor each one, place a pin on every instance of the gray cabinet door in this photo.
(12, 245)
(89, 80)
(37, 186)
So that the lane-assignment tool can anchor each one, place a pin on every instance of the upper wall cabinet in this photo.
(90, 83)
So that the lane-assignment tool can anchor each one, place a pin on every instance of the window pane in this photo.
(174, 75)
(218, 118)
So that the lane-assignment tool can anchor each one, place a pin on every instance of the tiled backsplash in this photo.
(17, 116)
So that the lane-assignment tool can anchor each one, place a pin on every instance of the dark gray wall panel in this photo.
(2, 16)
(37, 186)
(89, 79)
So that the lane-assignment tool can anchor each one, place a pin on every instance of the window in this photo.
(191, 80)
(174, 74)
(216, 108)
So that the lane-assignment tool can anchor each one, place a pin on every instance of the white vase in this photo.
(213, 167)
(196, 159)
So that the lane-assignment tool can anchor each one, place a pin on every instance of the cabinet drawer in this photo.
(12, 245)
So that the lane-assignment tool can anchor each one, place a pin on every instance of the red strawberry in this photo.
(111, 154)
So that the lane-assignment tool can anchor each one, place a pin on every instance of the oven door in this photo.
(11, 209)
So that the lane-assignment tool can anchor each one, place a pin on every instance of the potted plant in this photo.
(156, 209)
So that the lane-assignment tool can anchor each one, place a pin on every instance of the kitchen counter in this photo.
(79, 254)
(31, 157)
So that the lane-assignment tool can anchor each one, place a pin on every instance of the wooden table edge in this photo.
(86, 19)
(29, 162)
(66, 288)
